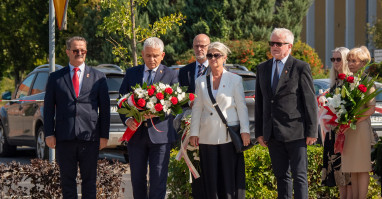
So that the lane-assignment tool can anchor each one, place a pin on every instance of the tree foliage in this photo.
(118, 25)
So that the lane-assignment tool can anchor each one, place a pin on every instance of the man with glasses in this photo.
(286, 114)
(77, 119)
(148, 146)
(189, 73)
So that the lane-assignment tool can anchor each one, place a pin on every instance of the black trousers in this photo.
(143, 151)
(223, 171)
(73, 154)
(290, 160)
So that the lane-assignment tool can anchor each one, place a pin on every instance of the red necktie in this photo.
(76, 81)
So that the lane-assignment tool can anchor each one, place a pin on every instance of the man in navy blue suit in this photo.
(189, 73)
(147, 145)
(77, 119)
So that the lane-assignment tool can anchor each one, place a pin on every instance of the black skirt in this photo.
(222, 171)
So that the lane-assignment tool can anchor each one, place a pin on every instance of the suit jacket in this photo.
(84, 118)
(187, 77)
(165, 75)
(291, 113)
(205, 121)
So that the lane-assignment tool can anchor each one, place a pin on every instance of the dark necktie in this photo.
(76, 81)
(149, 81)
(275, 78)
(200, 70)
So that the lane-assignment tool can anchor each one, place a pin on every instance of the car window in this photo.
(379, 96)
(114, 82)
(249, 84)
(25, 86)
(40, 83)
(317, 89)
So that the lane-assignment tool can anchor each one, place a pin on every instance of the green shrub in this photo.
(260, 181)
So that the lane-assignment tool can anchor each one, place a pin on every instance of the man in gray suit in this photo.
(286, 114)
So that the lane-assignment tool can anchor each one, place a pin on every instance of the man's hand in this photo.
(246, 138)
(262, 141)
(310, 140)
(51, 142)
(131, 124)
(102, 143)
(194, 141)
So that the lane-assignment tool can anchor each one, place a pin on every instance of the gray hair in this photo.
(154, 42)
(75, 38)
(333, 73)
(285, 33)
(220, 47)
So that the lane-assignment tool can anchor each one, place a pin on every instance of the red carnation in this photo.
(191, 96)
(174, 100)
(362, 88)
(168, 90)
(141, 102)
(151, 87)
(158, 107)
(350, 79)
(341, 76)
(150, 91)
(160, 96)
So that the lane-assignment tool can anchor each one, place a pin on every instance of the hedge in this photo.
(260, 181)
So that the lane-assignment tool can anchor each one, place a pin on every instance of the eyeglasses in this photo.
(201, 46)
(278, 44)
(77, 51)
(217, 56)
(338, 59)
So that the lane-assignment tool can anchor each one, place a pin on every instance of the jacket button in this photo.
(211, 113)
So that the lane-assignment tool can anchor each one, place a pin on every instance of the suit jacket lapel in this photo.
(224, 82)
(159, 74)
(268, 77)
(284, 74)
(191, 76)
(86, 83)
(68, 81)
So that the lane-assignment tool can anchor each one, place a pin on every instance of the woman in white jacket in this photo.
(223, 169)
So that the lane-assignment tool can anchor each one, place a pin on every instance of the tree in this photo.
(22, 25)
(119, 26)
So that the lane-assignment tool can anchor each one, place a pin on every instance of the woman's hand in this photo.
(246, 138)
(194, 141)
(149, 116)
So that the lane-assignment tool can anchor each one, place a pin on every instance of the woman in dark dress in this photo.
(331, 171)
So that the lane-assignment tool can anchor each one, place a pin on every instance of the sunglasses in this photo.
(78, 51)
(217, 56)
(200, 46)
(338, 59)
(278, 44)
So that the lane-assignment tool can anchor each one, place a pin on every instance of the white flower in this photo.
(191, 148)
(140, 92)
(161, 87)
(181, 96)
(152, 110)
(179, 90)
(336, 101)
(197, 158)
(352, 86)
(150, 105)
(154, 100)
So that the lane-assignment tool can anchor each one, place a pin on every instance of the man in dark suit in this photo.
(286, 114)
(147, 145)
(189, 73)
(77, 119)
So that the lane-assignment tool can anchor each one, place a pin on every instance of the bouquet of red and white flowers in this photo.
(158, 99)
(344, 106)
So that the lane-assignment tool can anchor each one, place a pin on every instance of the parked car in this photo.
(320, 86)
(21, 122)
(376, 118)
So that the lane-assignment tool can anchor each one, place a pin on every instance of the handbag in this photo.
(233, 130)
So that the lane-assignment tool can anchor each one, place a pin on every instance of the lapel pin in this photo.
(87, 75)
(160, 71)
(223, 86)
(286, 72)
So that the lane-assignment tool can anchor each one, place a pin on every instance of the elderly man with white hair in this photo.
(147, 145)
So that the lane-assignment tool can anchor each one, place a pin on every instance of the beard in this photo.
(200, 56)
